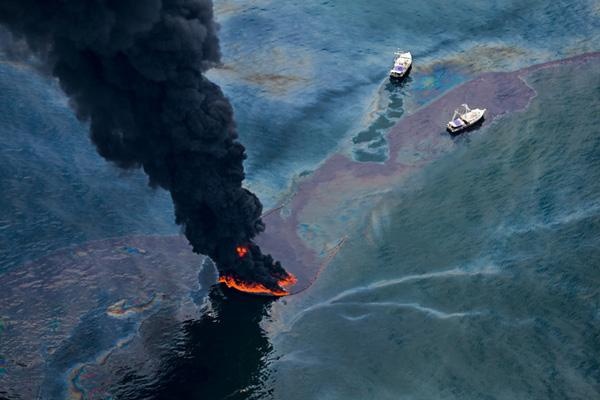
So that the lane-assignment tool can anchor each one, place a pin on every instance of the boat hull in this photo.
(397, 77)
(466, 127)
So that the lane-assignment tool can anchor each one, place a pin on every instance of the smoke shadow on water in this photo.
(222, 355)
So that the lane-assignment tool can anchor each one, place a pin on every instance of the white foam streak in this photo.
(413, 306)
(564, 219)
(455, 272)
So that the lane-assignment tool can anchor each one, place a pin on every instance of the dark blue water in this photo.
(305, 77)
(56, 190)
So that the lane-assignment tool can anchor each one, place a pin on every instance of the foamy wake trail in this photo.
(411, 306)
(567, 218)
(450, 273)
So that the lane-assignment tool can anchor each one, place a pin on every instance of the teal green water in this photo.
(477, 280)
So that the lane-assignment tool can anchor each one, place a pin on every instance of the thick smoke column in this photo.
(134, 70)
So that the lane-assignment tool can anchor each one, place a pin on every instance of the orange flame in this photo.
(241, 251)
(259, 288)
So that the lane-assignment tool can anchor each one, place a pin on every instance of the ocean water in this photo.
(308, 77)
(56, 191)
(476, 278)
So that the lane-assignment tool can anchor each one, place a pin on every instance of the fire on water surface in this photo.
(234, 282)
(258, 288)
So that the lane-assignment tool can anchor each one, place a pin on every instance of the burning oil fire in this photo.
(259, 288)
(255, 287)
(241, 251)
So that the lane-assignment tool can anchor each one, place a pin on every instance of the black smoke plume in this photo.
(134, 70)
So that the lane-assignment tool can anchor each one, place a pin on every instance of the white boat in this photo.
(464, 117)
(402, 64)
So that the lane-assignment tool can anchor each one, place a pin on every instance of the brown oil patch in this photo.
(278, 71)
(226, 8)
(483, 58)
(276, 84)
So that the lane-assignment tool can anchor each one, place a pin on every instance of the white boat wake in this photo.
(451, 273)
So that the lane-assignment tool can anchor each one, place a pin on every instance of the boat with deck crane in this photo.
(465, 117)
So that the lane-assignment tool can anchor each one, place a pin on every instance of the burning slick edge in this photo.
(253, 273)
